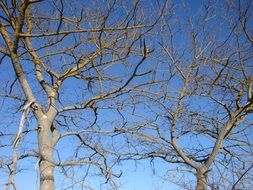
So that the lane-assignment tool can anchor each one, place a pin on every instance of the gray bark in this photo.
(46, 164)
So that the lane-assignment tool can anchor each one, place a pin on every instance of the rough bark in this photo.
(46, 165)
(201, 180)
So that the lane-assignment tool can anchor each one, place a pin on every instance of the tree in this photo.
(71, 61)
(200, 116)
(81, 77)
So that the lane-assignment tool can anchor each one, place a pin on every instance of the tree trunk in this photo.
(201, 181)
(46, 165)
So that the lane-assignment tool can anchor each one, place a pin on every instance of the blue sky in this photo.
(136, 176)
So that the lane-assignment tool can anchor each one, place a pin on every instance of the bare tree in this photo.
(200, 116)
(70, 60)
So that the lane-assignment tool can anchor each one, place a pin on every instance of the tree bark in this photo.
(46, 165)
(201, 180)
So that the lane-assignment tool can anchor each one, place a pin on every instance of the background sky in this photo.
(143, 175)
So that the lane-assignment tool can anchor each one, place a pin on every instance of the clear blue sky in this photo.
(134, 178)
